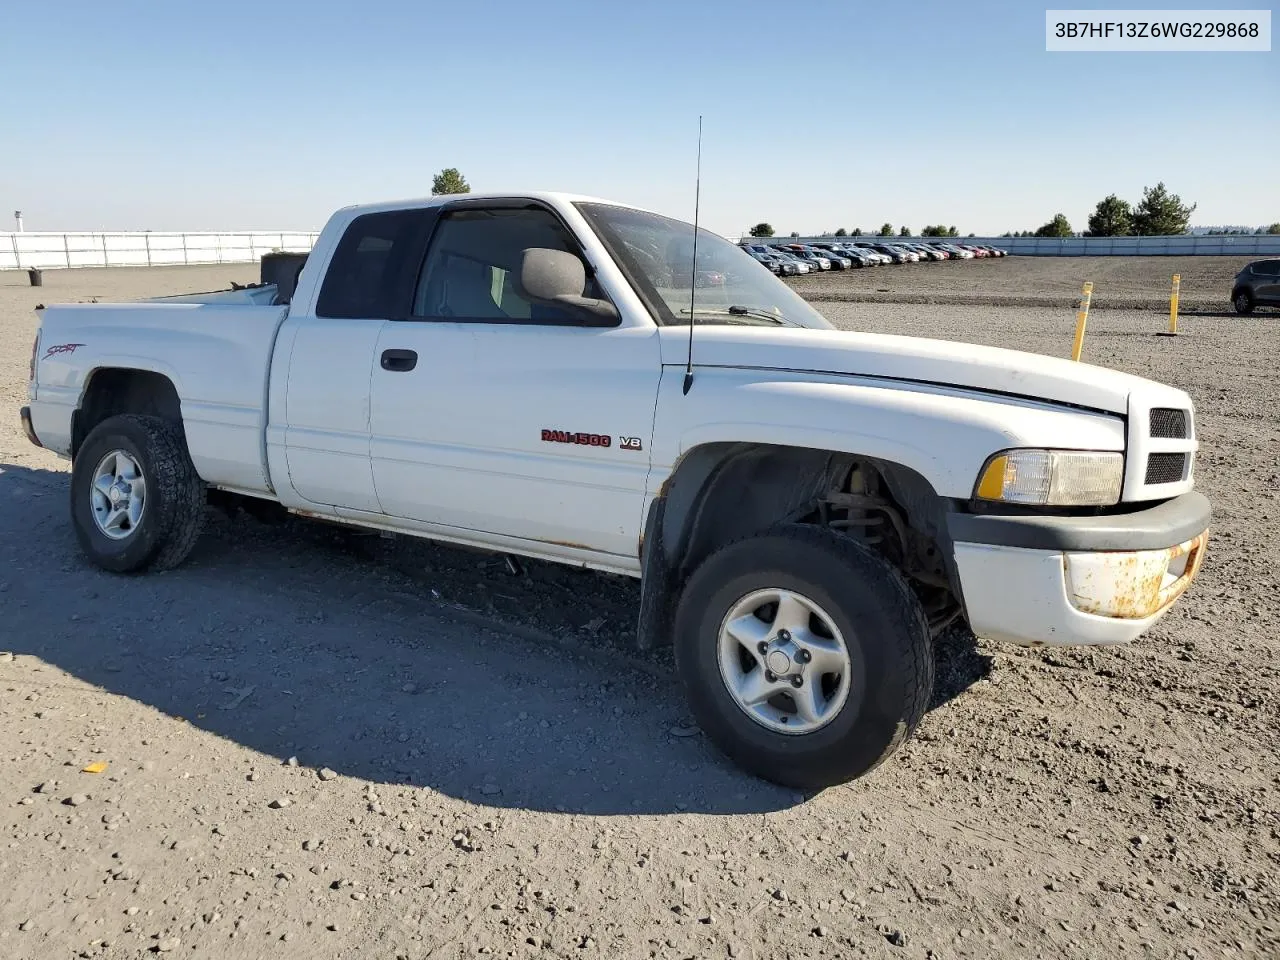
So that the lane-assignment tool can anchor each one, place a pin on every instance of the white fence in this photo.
(20, 251)
(1202, 245)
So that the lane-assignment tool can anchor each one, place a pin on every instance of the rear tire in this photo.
(137, 502)
(853, 602)
(1242, 300)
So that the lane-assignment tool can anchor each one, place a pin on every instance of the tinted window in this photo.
(1267, 268)
(472, 267)
(370, 270)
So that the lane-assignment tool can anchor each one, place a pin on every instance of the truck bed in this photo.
(215, 348)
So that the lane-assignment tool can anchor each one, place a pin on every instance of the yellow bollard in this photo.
(1082, 317)
(1173, 308)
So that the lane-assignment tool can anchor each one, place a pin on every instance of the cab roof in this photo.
(547, 196)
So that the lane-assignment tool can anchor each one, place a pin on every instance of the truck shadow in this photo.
(401, 662)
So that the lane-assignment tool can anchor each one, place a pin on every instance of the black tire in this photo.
(174, 510)
(1242, 300)
(885, 631)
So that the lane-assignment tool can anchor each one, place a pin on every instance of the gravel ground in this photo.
(323, 744)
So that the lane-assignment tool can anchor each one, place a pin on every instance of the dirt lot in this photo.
(1137, 283)
(483, 768)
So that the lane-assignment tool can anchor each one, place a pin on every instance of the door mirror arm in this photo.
(590, 312)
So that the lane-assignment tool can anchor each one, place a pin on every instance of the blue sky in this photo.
(240, 114)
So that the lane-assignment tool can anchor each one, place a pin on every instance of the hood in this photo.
(918, 359)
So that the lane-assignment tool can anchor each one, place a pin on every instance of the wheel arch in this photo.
(111, 390)
(723, 491)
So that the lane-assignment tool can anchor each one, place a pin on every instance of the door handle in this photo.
(399, 361)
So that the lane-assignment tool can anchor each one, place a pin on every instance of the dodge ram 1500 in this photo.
(805, 507)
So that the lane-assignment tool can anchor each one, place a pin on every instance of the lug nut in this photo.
(762, 647)
(797, 682)
(804, 656)
(770, 676)
(784, 635)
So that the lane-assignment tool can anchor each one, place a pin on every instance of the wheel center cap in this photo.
(115, 495)
(778, 662)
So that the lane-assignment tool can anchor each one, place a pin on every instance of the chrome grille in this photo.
(1168, 423)
(1166, 467)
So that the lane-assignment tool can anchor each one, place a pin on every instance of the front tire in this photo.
(1242, 300)
(827, 667)
(137, 502)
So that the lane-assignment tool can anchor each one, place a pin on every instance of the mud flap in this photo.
(657, 583)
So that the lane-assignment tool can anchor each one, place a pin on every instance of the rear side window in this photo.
(1267, 268)
(370, 274)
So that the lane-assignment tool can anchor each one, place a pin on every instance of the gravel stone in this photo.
(1181, 727)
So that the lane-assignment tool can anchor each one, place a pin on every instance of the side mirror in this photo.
(559, 278)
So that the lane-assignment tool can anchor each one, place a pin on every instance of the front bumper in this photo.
(1067, 581)
(27, 428)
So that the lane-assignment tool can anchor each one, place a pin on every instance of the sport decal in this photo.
(58, 348)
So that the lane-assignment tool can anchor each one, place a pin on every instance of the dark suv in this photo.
(1257, 285)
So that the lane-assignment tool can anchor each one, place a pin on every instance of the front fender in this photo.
(943, 434)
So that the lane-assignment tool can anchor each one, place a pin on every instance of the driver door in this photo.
(495, 417)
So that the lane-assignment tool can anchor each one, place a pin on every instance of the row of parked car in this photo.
(792, 259)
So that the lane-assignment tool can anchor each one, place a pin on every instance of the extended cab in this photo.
(554, 376)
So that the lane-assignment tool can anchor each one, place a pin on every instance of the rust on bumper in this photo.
(1133, 585)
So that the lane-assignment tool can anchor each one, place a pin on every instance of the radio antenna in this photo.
(693, 271)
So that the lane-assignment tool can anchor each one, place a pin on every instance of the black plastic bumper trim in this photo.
(27, 428)
(1165, 525)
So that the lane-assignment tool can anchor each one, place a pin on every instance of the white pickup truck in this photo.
(805, 507)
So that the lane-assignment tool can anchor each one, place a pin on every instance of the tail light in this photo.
(35, 350)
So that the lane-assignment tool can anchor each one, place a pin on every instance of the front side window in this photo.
(1267, 268)
(656, 255)
(472, 267)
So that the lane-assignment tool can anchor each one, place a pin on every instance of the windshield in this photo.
(656, 255)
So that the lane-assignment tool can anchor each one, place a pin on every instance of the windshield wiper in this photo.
(754, 313)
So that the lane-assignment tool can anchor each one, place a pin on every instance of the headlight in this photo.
(1058, 478)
